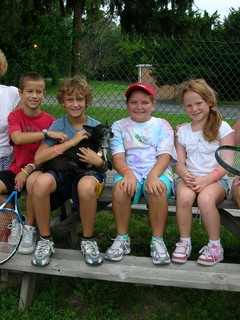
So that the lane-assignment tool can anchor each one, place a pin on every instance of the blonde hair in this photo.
(214, 119)
(75, 85)
(3, 64)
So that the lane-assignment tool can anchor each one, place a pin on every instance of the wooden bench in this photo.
(139, 270)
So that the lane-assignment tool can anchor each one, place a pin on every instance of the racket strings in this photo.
(8, 228)
(231, 158)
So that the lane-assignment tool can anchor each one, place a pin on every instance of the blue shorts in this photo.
(141, 190)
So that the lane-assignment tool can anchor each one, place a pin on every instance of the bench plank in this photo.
(132, 269)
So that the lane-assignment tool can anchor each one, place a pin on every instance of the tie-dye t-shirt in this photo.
(142, 143)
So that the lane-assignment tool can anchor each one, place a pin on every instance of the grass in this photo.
(98, 87)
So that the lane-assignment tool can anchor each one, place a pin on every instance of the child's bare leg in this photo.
(158, 212)
(45, 185)
(208, 198)
(184, 201)
(29, 186)
(86, 189)
(121, 209)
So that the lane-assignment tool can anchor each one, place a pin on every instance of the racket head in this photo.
(10, 220)
(229, 158)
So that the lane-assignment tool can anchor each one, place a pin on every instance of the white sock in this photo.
(217, 243)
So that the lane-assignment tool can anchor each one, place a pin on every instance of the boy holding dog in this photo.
(47, 190)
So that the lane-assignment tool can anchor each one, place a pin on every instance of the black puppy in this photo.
(70, 163)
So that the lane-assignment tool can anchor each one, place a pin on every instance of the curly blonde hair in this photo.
(3, 63)
(75, 85)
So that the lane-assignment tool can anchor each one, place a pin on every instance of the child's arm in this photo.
(46, 152)
(129, 181)
(236, 127)
(20, 138)
(201, 182)
(181, 168)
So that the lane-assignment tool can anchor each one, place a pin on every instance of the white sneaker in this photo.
(43, 252)
(15, 228)
(159, 252)
(29, 240)
(118, 249)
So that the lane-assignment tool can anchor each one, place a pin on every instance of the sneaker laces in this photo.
(117, 243)
(27, 235)
(43, 246)
(91, 247)
(207, 251)
(181, 246)
(14, 227)
(160, 246)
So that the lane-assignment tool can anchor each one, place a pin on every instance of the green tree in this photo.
(231, 25)
(163, 18)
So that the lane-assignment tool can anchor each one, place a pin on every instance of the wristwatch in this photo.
(44, 131)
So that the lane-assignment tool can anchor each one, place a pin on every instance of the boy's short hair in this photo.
(3, 63)
(32, 76)
(75, 85)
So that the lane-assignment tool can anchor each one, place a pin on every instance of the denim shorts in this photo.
(141, 190)
(223, 182)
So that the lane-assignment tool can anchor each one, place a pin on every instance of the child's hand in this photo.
(129, 183)
(87, 155)
(199, 184)
(155, 187)
(236, 181)
(79, 136)
(20, 180)
(59, 136)
(189, 178)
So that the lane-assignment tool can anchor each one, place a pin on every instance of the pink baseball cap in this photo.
(141, 86)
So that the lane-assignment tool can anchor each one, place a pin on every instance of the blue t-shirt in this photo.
(64, 125)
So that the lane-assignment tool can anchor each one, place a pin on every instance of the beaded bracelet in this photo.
(25, 171)
(55, 150)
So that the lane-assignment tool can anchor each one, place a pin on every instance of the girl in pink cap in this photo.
(142, 151)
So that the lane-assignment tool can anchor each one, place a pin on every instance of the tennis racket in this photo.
(10, 220)
(229, 158)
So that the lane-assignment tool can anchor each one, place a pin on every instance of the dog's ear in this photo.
(89, 129)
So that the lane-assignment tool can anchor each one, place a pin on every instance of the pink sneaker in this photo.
(182, 252)
(210, 255)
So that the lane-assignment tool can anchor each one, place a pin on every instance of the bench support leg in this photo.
(27, 290)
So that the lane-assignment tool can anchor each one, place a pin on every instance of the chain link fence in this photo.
(111, 65)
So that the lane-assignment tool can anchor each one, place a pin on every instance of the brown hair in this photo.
(214, 119)
(32, 76)
(3, 63)
(78, 85)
